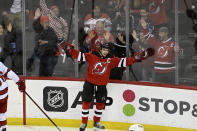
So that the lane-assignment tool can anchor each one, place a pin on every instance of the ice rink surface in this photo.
(47, 128)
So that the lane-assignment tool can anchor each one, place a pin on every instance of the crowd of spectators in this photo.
(147, 20)
(103, 21)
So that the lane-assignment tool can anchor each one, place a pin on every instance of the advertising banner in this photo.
(125, 103)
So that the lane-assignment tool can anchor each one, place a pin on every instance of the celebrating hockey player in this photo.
(97, 77)
(4, 74)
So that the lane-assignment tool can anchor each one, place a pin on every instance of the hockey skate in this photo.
(83, 127)
(98, 126)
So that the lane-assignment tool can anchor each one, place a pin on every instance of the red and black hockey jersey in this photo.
(164, 59)
(99, 68)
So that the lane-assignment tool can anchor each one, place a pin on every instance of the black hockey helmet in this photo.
(109, 46)
(106, 45)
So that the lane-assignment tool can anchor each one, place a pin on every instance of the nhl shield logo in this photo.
(55, 98)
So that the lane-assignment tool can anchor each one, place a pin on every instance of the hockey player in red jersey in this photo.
(97, 77)
(4, 74)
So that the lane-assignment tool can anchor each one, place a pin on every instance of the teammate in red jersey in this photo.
(97, 77)
(6, 73)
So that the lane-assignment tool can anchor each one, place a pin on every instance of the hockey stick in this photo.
(69, 30)
(42, 110)
(70, 22)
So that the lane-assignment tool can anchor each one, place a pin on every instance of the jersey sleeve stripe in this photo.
(79, 56)
(6, 74)
(84, 59)
(3, 96)
(124, 62)
(120, 63)
(81, 59)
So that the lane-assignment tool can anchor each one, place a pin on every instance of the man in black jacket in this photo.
(46, 46)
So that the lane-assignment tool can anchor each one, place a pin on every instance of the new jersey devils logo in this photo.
(99, 68)
(162, 51)
(153, 8)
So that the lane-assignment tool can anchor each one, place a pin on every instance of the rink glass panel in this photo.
(65, 66)
(185, 63)
(12, 52)
(187, 40)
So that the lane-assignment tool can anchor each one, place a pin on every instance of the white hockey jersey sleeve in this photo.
(8, 73)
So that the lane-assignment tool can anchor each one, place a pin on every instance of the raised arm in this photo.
(79, 56)
(44, 7)
(138, 57)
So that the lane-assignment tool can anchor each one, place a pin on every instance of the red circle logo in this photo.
(128, 95)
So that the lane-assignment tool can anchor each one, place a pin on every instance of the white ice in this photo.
(47, 128)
